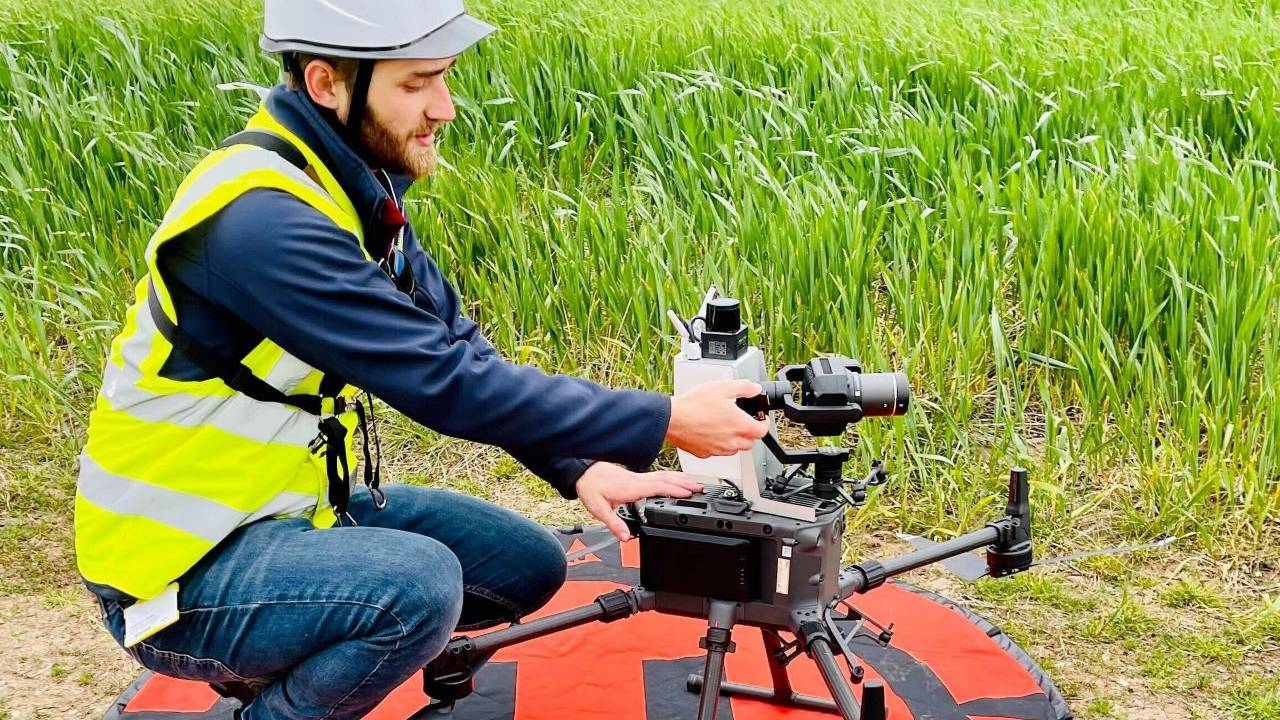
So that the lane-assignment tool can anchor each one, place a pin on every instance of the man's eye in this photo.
(416, 87)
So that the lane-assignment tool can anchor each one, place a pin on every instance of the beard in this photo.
(395, 153)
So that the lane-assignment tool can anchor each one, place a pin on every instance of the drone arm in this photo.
(449, 676)
(870, 574)
(1008, 543)
(611, 606)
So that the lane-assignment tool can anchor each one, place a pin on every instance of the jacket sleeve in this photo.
(291, 274)
(562, 473)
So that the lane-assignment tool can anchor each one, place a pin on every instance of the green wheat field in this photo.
(1059, 217)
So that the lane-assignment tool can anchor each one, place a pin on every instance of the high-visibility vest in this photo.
(172, 467)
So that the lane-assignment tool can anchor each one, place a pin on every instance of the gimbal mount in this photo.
(778, 573)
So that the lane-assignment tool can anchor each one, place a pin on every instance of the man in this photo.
(214, 514)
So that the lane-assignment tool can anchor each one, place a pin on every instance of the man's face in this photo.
(408, 103)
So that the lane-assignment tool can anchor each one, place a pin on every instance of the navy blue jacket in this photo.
(269, 265)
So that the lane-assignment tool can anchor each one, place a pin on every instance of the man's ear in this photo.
(324, 86)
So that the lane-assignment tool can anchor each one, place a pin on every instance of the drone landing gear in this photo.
(449, 677)
(814, 641)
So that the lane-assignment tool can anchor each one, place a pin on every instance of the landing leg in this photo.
(717, 642)
(820, 649)
(782, 693)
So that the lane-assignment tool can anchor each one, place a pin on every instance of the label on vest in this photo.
(146, 618)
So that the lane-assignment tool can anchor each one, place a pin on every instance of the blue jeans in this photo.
(328, 622)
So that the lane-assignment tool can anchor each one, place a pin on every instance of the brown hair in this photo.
(343, 68)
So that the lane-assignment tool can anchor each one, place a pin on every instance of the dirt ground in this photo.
(56, 661)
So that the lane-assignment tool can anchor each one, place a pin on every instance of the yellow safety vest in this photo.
(172, 467)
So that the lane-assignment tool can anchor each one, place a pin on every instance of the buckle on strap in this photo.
(334, 434)
(331, 407)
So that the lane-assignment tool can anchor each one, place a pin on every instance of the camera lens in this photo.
(775, 393)
(882, 394)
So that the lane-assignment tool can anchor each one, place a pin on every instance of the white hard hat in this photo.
(371, 29)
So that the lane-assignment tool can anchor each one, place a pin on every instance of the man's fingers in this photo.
(687, 483)
(659, 488)
(747, 388)
(616, 526)
(648, 488)
(602, 510)
(678, 478)
(753, 429)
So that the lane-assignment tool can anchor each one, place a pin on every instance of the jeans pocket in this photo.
(164, 662)
(112, 616)
(181, 665)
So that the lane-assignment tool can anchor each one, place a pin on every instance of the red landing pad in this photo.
(944, 663)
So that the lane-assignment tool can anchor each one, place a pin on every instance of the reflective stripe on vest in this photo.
(172, 466)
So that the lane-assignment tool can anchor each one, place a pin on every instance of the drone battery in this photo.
(689, 563)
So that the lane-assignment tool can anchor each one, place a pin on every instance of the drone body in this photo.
(779, 569)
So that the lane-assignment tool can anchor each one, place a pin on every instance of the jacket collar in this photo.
(351, 168)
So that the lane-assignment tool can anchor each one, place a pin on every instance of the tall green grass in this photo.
(1059, 217)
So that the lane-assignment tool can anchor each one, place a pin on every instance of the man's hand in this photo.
(605, 486)
(707, 421)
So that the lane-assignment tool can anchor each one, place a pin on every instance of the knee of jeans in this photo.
(545, 570)
(426, 594)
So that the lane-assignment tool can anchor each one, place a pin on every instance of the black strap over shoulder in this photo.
(232, 372)
(332, 436)
(269, 141)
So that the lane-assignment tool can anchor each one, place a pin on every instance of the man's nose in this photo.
(440, 107)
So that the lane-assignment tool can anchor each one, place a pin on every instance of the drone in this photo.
(764, 535)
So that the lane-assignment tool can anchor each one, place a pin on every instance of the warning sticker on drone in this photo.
(784, 577)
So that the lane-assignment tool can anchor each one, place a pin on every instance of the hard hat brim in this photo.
(448, 40)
